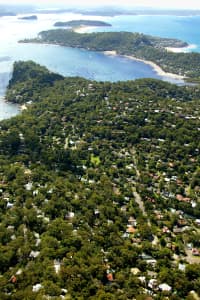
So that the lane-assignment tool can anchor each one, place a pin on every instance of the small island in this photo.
(77, 23)
(33, 17)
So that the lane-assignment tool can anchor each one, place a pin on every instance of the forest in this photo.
(99, 189)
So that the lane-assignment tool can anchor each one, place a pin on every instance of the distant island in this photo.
(118, 11)
(131, 12)
(149, 49)
(33, 17)
(7, 14)
(75, 23)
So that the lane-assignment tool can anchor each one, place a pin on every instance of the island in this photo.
(33, 17)
(78, 23)
(133, 45)
(99, 189)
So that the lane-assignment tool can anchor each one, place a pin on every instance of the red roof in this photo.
(110, 277)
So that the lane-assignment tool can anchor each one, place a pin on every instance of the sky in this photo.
(176, 4)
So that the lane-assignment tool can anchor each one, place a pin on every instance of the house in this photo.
(96, 212)
(136, 241)
(142, 279)
(153, 283)
(9, 205)
(36, 287)
(169, 245)
(194, 294)
(132, 221)
(182, 222)
(183, 199)
(70, 215)
(195, 252)
(110, 277)
(13, 237)
(145, 256)
(130, 229)
(189, 246)
(123, 208)
(34, 254)
(28, 186)
(165, 229)
(181, 267)
(135, 271)
(63, 293)
(194, 204)
(13, 279)
(152, 274)
(151, 262)
(57, 266)
(197, 221)
(164, 287)
(19, 272)
(177, 230)
(125, 235)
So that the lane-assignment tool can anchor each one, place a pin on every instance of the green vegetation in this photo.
(125, 43)
(95, 159)
(99, 189)
(76, 23)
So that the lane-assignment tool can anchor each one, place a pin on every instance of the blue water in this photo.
(88, 64)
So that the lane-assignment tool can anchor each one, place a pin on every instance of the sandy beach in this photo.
(113, 52)
(181, 49)
(83, 29)
(158, 69)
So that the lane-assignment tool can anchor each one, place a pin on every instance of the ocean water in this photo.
(78, 62)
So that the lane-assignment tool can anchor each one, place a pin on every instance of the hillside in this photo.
(99, 189)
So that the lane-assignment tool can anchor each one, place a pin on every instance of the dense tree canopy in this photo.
(99, 189)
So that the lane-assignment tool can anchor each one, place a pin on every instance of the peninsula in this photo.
(135, 45)
(99, 189)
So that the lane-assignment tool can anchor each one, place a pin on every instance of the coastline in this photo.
(157, 68)
(181, 49)
(83, 29)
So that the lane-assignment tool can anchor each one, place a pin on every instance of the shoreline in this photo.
(181, 49)
(156, 68)
(84, 29)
